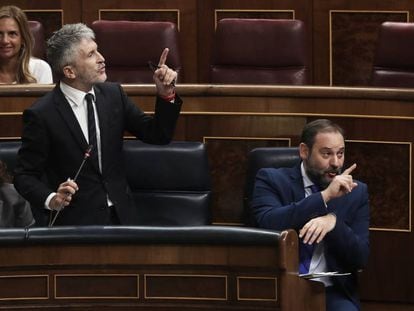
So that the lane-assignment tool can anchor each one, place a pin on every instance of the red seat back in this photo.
(127, 46)
(259, 51)
(394, 59)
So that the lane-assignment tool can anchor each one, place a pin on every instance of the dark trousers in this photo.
(112, 218)
(336, 300)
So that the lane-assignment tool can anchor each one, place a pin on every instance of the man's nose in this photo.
(334, 161)
(100, 57)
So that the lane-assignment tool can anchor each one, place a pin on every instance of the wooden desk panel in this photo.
(157, 276)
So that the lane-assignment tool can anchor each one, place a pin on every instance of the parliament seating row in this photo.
(157, 268)
(273, 51)
(215, 235)
(174, 260)
(246, 51)
(170, 184)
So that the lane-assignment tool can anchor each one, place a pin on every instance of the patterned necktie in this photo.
(306, 250)
(92, 130)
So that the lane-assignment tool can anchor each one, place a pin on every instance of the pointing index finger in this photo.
(163, 57)
(349, 170)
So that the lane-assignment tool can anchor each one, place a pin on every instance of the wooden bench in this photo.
(155, 268)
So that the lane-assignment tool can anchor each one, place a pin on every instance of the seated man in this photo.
(14, 210)
(327, 207)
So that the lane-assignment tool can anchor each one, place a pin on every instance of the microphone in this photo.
(85, 158)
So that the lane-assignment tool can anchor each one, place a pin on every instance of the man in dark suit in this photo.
(332, 219)
(84, 111)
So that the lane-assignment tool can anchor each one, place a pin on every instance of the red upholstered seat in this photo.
(259, 51)
(128, 46)
(394, 59)
(38, 32)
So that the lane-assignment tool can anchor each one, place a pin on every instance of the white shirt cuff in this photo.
(48, 199)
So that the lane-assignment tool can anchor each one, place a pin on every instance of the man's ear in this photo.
(304, 151)
(69, 72)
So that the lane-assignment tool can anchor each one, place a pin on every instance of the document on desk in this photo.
(310, 276)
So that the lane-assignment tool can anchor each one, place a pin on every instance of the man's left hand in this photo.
(316, 229)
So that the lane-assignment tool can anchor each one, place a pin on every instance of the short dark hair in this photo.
(313, 128)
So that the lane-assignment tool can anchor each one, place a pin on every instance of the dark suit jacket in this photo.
(14, 210)
(279, 203)
(53, 147)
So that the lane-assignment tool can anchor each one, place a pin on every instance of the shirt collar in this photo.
(306, 180)
(73, 95)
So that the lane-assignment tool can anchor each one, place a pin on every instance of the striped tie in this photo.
(92, 130)
(306, 250)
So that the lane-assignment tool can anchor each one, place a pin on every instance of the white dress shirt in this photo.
(77, 101)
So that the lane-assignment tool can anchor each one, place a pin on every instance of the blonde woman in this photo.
(17, 65)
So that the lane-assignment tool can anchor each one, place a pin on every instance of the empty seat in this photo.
(128, 46)
(259, 51)
(394, 61)
(170, 183)
(38, 32)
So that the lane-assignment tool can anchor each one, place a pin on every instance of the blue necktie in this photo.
(306, 250)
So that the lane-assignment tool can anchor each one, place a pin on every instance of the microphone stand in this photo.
(85, 158)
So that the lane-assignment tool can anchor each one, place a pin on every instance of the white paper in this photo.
(322, 274)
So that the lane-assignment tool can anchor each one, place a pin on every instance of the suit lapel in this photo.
(63, 107)
(297, 183)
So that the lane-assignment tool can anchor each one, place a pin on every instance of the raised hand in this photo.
(164, 77)
(340, 185)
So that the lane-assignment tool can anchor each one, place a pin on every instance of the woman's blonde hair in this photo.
(23, 74)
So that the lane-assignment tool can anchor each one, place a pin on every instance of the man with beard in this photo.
(84, 117)
(325, 205)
